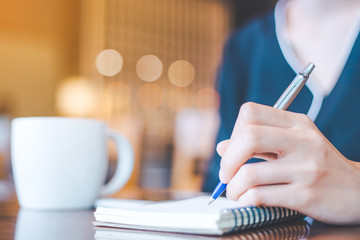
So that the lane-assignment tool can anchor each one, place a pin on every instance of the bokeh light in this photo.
(207, 99)
(109, 62)
(150, 96)
(181, 73)
(178, 98)
(149, 68)
(76, 97)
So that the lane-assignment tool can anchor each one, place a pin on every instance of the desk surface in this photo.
(19, 224)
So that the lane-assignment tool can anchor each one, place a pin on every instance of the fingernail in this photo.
(222, 177)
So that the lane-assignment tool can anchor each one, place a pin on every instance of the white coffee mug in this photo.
(61, 163)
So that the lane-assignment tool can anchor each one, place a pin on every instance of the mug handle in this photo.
(125, 164)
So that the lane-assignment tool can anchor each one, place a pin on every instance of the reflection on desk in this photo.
(322, 231)
(293, 230)
(77, 225)
(54, 225)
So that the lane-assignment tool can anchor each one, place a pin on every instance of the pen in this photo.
(282, 103)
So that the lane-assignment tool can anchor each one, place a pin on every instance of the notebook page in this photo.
(120, 203)
(190, 215)
(193, 205)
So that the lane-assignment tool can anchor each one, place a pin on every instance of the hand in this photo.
(303, 170)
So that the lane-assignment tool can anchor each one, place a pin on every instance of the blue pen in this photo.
(283, 103)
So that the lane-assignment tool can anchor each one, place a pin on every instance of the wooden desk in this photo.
(30, 225)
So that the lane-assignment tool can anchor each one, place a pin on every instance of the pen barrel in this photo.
(291, 92)
(294, 88)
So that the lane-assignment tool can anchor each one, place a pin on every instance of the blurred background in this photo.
(147, 67)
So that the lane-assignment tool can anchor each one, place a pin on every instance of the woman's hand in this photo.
(304, 171)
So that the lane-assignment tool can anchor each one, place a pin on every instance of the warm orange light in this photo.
(150, 96)
(77, 97)
(109, 62)
(118, 95)
(155, 123)
(149, 68)
(178, 98)
(181, 73)
(207, 99)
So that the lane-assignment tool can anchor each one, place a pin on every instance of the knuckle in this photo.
(304, 119)
(247, 112)
(310, 136)
(315, 172)
(306, 135)
(303, 122)
(250, 134)
(248, 175)
(255, 197)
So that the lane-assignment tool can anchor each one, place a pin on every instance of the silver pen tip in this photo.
(308, 69)
(211, 200)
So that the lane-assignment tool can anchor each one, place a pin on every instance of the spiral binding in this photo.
(298, 229)
(254, 217)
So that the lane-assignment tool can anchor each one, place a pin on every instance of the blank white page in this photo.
(191, 205)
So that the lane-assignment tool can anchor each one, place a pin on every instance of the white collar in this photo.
(294, 62)
(292, 59)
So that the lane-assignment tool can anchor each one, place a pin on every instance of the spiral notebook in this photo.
(192, 215)
(297, 229)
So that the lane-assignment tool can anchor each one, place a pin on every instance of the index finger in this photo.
(254, 139)
(253, 113)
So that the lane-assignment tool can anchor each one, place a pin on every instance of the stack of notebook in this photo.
(189, 216)
(298, 229)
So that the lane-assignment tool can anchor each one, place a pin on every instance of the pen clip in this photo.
(294, 88)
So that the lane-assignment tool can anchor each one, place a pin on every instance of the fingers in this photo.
(252, 175)
(222, 146)
(282, 195)
(250, 136)
(254, 139)
(252, 113)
